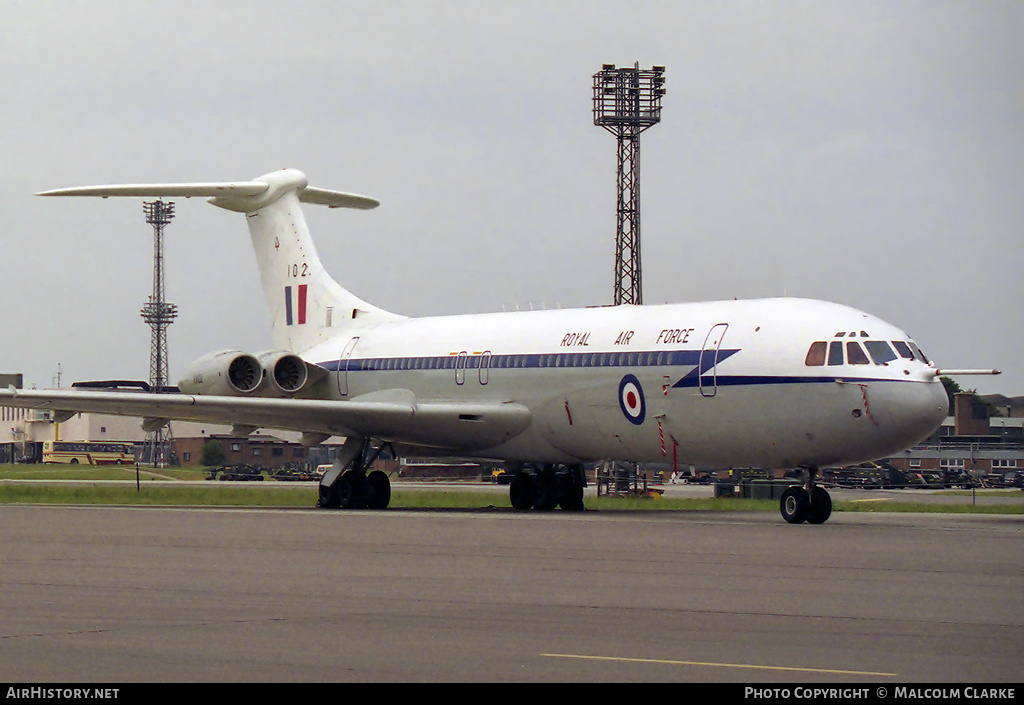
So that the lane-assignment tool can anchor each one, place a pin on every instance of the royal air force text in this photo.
(668, 336)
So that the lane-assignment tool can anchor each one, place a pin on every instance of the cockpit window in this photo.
(903, 349)
(880, 351)
(816, 355)
(855, 354)
(835, 353)
(918, 354)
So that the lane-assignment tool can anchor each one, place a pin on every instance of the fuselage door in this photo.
(485, 366)
(709, 359)
(460, 367)
(343, 363)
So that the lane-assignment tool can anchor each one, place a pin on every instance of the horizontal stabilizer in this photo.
(227, 192)
(237, 188)
(336, 199)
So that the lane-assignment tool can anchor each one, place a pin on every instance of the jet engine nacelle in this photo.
(226, 372)
(284, 374)
(277, 373)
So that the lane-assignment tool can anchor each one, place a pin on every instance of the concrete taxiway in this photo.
(96, 594)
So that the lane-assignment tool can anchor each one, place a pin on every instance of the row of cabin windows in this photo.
(486, 360)
(821, 352)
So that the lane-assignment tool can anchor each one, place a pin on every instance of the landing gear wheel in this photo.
(795, 505)
(378, 490)
(570, 493)
(545, 491)
(348, 489)
(329, 498)
(520, 491)
(821, 506)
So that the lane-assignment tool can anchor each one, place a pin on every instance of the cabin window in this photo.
(816, 355)
(880, 351)
(835, 353)
(855, 354)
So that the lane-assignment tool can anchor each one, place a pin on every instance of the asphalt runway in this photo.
(121, 595)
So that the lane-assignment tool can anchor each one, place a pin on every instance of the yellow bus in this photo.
(86, 453)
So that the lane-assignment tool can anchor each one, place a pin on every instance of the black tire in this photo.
(821, 506)
(795, 505)
(349, 490)
(329, 498)
(545, 491)
(378, 490)
(570, 493)
(520, 491)
(74, 461)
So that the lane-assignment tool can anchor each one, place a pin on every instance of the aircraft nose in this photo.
(923, 410)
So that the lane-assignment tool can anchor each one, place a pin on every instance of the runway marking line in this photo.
(721, 665)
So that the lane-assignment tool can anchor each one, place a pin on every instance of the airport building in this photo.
(971, 441)
(23, 432)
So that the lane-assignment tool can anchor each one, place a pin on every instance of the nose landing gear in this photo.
(809, 503)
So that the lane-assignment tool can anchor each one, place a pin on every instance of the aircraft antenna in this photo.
(627, 101)
(158, 314)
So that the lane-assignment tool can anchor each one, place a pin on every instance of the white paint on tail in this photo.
(306, 305)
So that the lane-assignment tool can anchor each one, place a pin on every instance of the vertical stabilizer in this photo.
(306, 305)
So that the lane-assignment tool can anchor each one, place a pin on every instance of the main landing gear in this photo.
(347, 485)
(544, 487)
(809, 503)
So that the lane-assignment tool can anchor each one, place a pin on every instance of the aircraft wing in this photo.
(390, 415)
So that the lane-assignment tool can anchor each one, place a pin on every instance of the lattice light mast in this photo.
(158, 314)
(627, 101)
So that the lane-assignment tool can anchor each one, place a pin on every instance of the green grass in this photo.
(59, 471)
(274, 494)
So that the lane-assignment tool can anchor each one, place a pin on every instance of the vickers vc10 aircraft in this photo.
(772, 383)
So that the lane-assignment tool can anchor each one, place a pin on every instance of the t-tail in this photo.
(306, 305)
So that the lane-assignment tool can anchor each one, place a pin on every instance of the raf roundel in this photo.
(631, 399)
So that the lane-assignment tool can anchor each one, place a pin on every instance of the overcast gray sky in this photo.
(868, 153)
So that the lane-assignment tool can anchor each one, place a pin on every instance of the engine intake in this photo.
(284, 373)
(226, 372)
(277, 373)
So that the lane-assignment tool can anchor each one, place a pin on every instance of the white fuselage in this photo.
(764, 383)
(715, 383)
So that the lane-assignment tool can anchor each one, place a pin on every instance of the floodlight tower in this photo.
(158, 314)
(627, 101)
